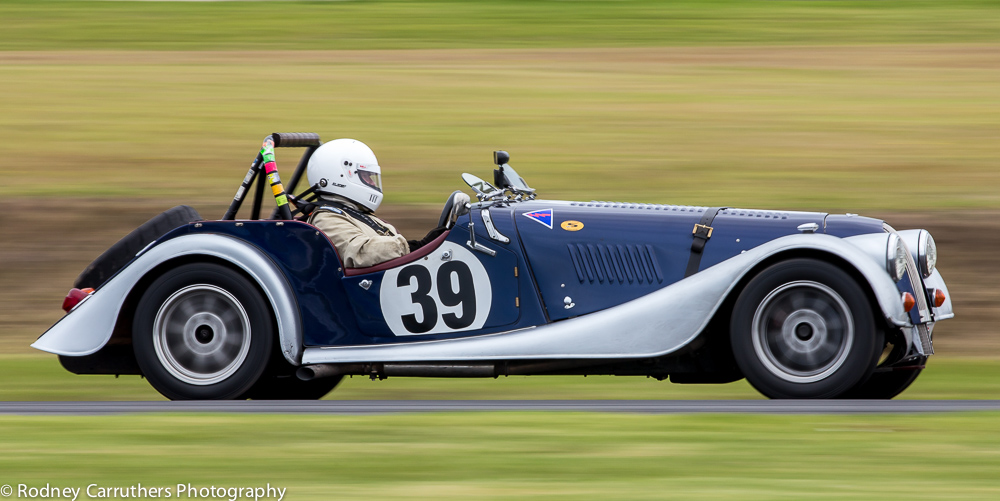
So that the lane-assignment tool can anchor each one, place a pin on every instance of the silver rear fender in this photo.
(88, 327)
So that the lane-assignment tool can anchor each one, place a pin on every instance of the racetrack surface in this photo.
(403, 406)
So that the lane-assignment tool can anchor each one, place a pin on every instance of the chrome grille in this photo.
(920, 296)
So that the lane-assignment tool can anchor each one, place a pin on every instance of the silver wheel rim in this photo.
(201, 334)
(802, 331)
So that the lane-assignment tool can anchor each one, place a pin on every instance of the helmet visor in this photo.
(371, 179)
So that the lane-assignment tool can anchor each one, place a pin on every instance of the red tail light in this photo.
(74, 297)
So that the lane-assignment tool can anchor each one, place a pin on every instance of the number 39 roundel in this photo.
(433, 295)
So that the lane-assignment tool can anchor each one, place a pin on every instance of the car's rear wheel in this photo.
(280, 383)
(202, 331)
(803, 328)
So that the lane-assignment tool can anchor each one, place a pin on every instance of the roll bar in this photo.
(265, 160)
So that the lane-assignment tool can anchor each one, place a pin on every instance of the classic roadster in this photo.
(801, 304)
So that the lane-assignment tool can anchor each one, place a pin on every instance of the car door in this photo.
(442, 291)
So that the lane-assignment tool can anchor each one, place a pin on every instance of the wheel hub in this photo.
(802, 331)
(204, 334)
(201, 334)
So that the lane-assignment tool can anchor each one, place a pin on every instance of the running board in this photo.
(378, 370)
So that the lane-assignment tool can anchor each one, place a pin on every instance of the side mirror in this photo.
(508, 179)
(501, 157)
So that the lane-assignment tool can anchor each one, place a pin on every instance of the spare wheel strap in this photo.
(702, 232)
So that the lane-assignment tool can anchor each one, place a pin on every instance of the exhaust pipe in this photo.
(310, 372)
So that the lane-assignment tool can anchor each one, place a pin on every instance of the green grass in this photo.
(518, 455)
(36, 25)
(824, 105)
(883, 105)
(35, 377)
(849, 129)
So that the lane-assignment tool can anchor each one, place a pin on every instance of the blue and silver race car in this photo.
(801, 304)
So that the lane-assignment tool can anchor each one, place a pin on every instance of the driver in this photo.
(348, 181)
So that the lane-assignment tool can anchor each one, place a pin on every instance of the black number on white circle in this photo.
(420, 297)
(464, 295)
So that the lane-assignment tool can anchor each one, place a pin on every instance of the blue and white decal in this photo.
(435, 295)
(543, 216)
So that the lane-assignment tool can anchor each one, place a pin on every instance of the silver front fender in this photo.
(88, 327)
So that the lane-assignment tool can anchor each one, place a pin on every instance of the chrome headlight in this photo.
(895, 258)
(926, 253)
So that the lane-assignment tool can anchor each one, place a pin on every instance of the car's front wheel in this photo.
(202, 331)
(889, 383)
(803, 328)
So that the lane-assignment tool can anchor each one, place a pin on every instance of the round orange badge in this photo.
(571, 225)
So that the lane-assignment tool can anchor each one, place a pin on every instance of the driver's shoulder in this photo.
(326, 214)
(320, 210)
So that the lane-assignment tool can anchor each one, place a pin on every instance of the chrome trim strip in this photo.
(656, 324)
(86, 329)
(492, 230)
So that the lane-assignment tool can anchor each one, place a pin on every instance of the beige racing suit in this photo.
(359, 244)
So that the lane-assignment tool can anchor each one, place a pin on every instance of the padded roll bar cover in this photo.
(295, 139)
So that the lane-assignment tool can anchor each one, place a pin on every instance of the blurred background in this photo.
(113, 111)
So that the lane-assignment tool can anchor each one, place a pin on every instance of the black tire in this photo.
(289, 387)
(803, 328)
(886, 385)
(203, 331)
(280, 383)
(119, 254)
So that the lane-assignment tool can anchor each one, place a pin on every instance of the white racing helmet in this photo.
(347, 168)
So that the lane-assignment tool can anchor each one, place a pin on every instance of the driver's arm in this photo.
(358, 244)
(430, 237)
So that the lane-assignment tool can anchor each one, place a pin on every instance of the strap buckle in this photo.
(702, 231)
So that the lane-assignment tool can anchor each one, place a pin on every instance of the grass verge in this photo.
(48, 25)
(517, 455)
(827, 128)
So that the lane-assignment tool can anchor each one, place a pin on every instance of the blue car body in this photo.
(621, 253)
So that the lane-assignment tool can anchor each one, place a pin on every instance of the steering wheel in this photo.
(454, 207)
